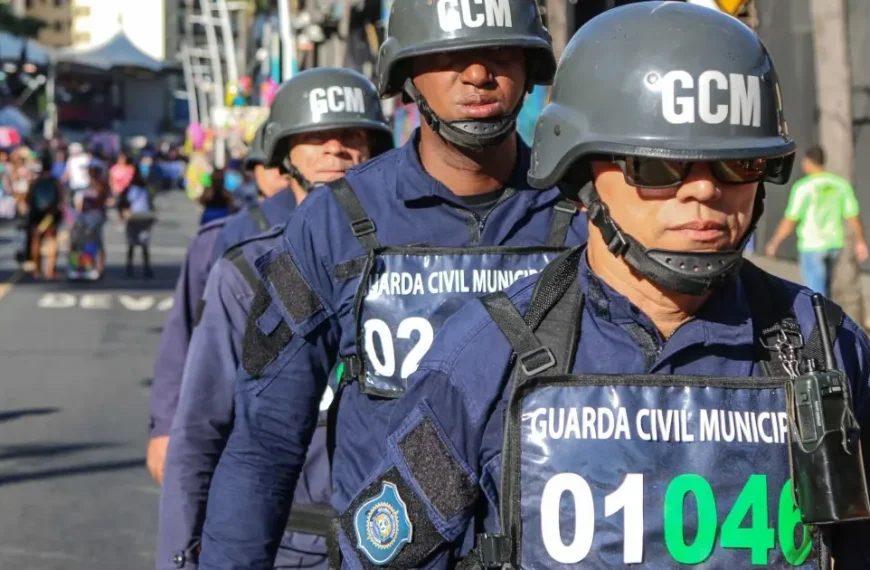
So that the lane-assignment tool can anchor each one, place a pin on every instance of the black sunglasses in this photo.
(657, 173)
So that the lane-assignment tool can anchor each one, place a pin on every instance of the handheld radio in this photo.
(827, 461)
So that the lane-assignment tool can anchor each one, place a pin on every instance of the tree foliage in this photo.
(22, 27)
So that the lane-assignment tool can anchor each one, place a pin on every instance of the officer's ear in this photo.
(530, 84)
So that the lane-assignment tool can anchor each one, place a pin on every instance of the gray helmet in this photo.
(421, 27)
(321, 99)
(663, 80)
(256, 153)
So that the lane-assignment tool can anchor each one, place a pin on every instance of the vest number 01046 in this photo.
(386, 367)
(752, 501)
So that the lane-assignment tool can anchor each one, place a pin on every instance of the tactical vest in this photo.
(602, 471)
(259, 349)
(406, 293)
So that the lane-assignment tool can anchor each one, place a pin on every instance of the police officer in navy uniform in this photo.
(208, 245)
(629, 405)
(370, 267)
(277, 196)
(311, 147)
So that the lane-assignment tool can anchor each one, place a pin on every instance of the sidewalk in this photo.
(789, 270)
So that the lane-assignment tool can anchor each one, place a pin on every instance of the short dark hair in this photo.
(816, 154)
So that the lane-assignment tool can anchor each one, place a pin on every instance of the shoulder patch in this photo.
(382, 525)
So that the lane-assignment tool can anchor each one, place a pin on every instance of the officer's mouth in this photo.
(330, 175)
(480, 107)
(702, 231)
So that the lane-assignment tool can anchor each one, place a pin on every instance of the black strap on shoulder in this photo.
(544, 343)
(532, 356)
(259, 217)
(563, 214)
(556, 279)
(237, 258)
(362, 226)
(313, 519)
(774, 321)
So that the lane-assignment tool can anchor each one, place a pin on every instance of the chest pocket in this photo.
(263, 340)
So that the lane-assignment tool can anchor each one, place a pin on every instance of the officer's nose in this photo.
(334, 146)
(477, 74)
(699, 185)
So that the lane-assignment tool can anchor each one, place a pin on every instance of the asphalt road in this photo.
(75, 373)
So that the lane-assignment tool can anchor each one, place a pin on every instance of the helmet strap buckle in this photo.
(598, 213)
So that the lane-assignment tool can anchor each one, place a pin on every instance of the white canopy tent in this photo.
(117, 51)
(142, 89)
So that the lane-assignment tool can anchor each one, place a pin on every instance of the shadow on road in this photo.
(115, 279)
(15, 414)
(146, 382)
(48, 450)
(104, 467)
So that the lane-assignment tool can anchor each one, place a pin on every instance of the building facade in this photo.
(152, 25)
(58, 14)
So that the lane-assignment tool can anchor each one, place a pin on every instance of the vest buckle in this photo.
(494, 550)
(363, 227)
(537, 360)
(566, 207)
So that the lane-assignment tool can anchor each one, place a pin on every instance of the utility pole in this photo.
(217, 81)
(228, 41)
(288, 40)
(557, 24)
(343, 34)
(834, 96)
(190, 84)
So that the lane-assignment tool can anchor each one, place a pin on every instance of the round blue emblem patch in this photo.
(382, 525)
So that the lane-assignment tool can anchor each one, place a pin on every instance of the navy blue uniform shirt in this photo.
(207, 247)
(276, 413)
(462, 387)
(243, 224)
(172, 351)
(204, 411)
(204, 419)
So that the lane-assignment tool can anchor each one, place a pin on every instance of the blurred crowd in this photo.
(57, 191)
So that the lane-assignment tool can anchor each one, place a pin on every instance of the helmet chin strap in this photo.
(469, 134)
(691, 273)
(297, 176)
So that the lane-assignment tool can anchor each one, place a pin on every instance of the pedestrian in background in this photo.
(817, 206)
(137, 209)
(59, 165)
(19, 176)
(216, 199)
(44, 201)
(121, 174)
(90, 205)
(76, 172)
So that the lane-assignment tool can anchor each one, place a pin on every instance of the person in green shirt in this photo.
(817, 206)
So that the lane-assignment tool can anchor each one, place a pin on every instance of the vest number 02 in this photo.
(386, 367)
(751, 503)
